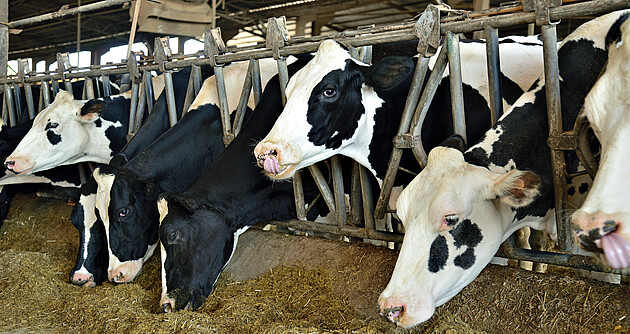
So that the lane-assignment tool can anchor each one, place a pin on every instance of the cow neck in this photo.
(519, 139)
(175, 160)
(117, 110)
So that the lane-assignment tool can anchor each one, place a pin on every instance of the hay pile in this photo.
(38, 247)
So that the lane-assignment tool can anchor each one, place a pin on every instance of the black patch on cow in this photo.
(466, 259)
(509, 40)
(98, 123)
(53, 138)
(587, 241)
(438, 254)
(65, 173)
(525, 129)
(583, 188)
(455, 141)
(329, 117)
(466, 234)
(93, 106)
(510, 90)
(571, 191)
(614, 34)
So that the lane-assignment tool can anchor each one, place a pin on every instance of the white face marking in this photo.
(89, 219)
(81, 139)
(162, 205)
(102, 200)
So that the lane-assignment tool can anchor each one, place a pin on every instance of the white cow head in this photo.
(455, 215)
(62, 134)
(602, 224)
(329, 110)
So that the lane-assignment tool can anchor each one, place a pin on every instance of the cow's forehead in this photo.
(63, 107)
(329, 57)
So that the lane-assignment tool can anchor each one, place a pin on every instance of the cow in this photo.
(460, 208)
(601, 223)
(338, 105)
(91, 269)
(91, 265)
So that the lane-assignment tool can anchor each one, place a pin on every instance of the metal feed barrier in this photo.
(428, 30)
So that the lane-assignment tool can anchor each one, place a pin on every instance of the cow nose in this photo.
(609, 226)
(116, 277)
(598, 221)
(393, 313)
(81, 279)
(9, 164)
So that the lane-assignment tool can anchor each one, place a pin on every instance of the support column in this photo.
(479, 5)
(4, 37)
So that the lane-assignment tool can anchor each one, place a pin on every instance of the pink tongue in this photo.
(617, 250)
(271, 165)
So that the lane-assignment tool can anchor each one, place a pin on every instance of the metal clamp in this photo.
(213, 44)
(132, 67)
(23, 68)
(541, 7)
(63, 64)
(162, 51)
(277, 34)
(427, 29)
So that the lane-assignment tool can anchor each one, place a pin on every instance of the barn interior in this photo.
(279, 281)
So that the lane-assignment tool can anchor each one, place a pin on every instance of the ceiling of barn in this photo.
(104, 28)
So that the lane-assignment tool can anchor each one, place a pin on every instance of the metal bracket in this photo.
(63, 63)
(277, 34)
(541, 7)
(427, 29)
(162, 51)
(213, 44)
(403, 141)
(23, 68)
(567, 141)
(132, 67)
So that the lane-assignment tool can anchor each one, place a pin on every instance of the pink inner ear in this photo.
(89, 117)
(519, 184)
(443, 225)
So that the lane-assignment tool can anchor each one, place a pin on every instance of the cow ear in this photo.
(190, 205)
(455, 141)
(517, 188)
(145, 187)
(390, 72)
(91, 110)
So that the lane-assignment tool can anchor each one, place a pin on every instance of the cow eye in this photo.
(451, 219)
(123, 212)
(329, 92)
(51, 126)
(172, 237)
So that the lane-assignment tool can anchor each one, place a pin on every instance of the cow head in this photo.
(60, 135)
(91, 265)
(455, 215)
(126, 204)
(330, 109)
(602, 224)
(189, 273)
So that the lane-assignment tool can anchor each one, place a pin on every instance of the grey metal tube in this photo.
(338, 191)
(256, 83)
(67, 12)
(8, 100)
(552, 87)
(17, 100)
(142, 105)
(148, 88)
(45, 92)
(55, 88)
(195, 73)
(455, 76)
(89, 88)
(494, 74)
(107, 89)
(298, 192)
(223, 105)
(323, 187)
(283, 74)
(368, 203)
(68, 85)
(133, 109)
(190, 94)
(356, 203)
(170, 97)
(30, 104)
(242, 102)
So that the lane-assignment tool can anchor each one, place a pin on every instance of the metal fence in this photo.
(361, 219)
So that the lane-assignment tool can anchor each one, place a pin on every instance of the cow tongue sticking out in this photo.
(616, 250)
(271, 165)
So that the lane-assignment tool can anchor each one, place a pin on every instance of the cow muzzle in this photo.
(601, 233)
(126, 272)
(82, 279)
(19, 165)
(270, 157)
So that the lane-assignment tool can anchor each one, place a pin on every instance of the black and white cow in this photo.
(338, 105)
(460, 208)
(601, 224)
(89, 269)
(91, 265)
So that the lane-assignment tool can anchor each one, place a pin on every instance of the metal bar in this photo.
(148, 88)
(190, 94)
(256, 83)
(494, 74)
(355, 232)
(338, 191)
(455, 76)
(45, 93)
(142, 105)
(133, 109)
(17, 98)
(323, 187)
(223, 106)
(195, 73)
(67, 12)
(8, 100)
(356, 205)
(30, 103)
(170, 97)
(552, 87)
(242, 102)
(107, 89)
(283, 75)
(89, 88)
(55, 88)
(4, 38)
(298, 192)
(368, 203)
(40, 103)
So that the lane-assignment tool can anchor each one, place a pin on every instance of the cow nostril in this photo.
(394, 313)
(9, 164)
(609, 226)
(167, 307)
(274, 152)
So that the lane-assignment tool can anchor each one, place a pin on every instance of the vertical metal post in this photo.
(63, 64)
(162, 52)
(89, 88)
(107, 88)
(134, 76)
(323, 187)
(242, 102)
(55, 88)
(494, 74)
(368, 204)
(213, 46)
(148, 88)
(300, 206)
(4, 38)
(256, 82)
(455, 76)
(356, 206)
(277, 36)
(340, 199)
(23, 69)
(142, 105)
(17, 98)
(552, 89)
(45, 93)
(8, 100)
